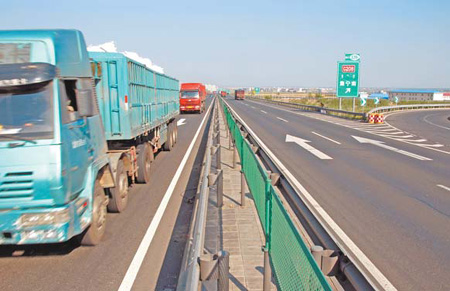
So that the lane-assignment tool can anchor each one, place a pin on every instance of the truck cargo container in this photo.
(192, 97)
(63, 143)
(138, 108)
(239, 94)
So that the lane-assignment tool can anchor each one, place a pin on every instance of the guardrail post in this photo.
(268, 227)
(224, 271)
(219, 183)
(234, 158)
(218, 157)
(242, 188)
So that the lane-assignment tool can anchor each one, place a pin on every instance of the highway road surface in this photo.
(107, 266)
(433, 125)
(387, 187)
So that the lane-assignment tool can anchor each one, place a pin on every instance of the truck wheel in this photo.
(174, 133)
(144, 162)
(93, 235)
(119, 194)
(168, 145)
(175, 126)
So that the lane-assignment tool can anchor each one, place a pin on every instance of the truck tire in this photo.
(119, 194)
(175, 126)
(93, 235)
(144, 161)
(168, 145)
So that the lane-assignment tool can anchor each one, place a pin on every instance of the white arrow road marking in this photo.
(303, 143)
(181, 122)
(327, 138)
(444, 187)
(282, 119)
(382, 145)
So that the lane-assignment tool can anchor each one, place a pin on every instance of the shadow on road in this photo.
(57, 249)
(168, 276)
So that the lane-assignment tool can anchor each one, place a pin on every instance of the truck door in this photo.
(114, 99)
(77, 147)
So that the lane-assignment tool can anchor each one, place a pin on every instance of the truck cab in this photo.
(54, 166)
(192, 97)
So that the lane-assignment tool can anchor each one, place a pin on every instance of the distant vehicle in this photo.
(223, 93)
(73, 133)
(239, 94)
(192, 97)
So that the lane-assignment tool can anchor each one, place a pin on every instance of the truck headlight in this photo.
(49, 218)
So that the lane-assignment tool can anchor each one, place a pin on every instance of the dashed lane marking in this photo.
(327, 138)
(282, 119)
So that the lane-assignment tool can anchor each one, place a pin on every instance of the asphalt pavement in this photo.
(428, 124)
(387, 189)
(71, 267)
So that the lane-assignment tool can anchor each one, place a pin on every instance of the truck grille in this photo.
(16, 185)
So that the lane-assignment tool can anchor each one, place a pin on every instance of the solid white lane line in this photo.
(263, 112)
(282, 119)
(444, 187)
(327, 138)
(432, 123)
(344, 242)
(133, 269)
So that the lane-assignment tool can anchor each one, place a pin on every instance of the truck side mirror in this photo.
(85, 102)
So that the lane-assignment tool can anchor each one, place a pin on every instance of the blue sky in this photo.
(263, 43)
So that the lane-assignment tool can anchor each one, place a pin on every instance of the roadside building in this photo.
(418, 95)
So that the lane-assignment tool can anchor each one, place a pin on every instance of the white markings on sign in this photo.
(382, 145)
(303, 143)
(282, 119)
(181, 122)
(444, 187)
(327, 138)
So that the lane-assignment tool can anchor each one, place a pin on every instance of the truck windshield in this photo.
(189, 94)
(27, 112)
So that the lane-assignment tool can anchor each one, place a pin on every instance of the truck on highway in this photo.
(239, 94)
(192, 97)
(75, 129)
(223, 94)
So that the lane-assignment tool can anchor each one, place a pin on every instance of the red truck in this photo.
(223, 93)
(239, 94)
(192, 97)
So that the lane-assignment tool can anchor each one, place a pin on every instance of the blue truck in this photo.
(76, 128)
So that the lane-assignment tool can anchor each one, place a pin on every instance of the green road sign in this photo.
(257, 90)
(353, 57)
(347, 79)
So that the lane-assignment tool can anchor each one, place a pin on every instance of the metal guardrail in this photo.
(323, 110)
(198, 265)
(356, 269)
(408, 107)
(293, 265)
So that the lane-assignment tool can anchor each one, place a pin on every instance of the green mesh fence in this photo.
(256, 179)
(292, 263)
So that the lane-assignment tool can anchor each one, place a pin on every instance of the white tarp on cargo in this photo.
(111, 48)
